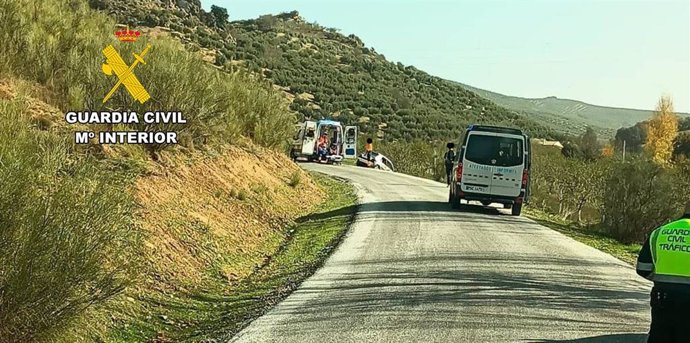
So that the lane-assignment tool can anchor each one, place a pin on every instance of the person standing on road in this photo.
(449, 158)
(369, 147)
(665, 260)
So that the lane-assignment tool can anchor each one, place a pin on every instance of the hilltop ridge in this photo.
(557, 110)
(323, 73)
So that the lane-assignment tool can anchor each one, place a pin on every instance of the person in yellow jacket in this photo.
(665, 260)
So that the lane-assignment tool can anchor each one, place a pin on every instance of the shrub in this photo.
(639, 198)
(295, 179)
(220, 59)
(415, 158)
(66, 240)
(214, 103)
(566, 186)
(242, 195)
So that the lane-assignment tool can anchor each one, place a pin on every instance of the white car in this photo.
(377, 161)
(493, 167)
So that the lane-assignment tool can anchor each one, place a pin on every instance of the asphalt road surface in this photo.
(413, 270)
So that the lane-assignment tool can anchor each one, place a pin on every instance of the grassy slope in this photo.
(569, 112)
(187, 258)
(215, 312)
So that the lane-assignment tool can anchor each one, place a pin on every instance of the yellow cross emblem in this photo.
(125, 73)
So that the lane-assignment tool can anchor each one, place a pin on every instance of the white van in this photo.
(493, 167)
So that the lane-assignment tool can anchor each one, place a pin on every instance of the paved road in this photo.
(412, 270)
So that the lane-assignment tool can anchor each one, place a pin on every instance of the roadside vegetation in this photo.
(222, 303)
(52, 42)
(67, 239)
(592, 236)
(416, 158)
(89, 247)
(591, 186)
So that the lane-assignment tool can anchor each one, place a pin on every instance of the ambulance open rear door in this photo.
(309, 138)
(350, 142)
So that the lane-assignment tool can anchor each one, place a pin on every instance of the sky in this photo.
(622, 53)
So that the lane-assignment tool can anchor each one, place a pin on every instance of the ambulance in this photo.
(341, 141)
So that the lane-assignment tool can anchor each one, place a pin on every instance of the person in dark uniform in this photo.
(665, 260)
(449, 159)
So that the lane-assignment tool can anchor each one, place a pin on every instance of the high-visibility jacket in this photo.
(369, 147)
(665, 259)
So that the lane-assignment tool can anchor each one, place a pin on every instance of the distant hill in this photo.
(323, 73)
(558, 112)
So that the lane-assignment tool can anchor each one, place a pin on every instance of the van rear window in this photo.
(492, 150)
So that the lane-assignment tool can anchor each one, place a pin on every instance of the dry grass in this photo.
(191, 217)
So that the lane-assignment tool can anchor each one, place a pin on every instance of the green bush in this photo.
(295, 179)
(66, 241)
(629, 198)
(638, 198)
(58, 49)
(415, 158)
(66, 231)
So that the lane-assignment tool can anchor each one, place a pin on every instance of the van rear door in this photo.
(477, 170)
(509, 163)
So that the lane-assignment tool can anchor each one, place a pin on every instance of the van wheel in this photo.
(516, 210)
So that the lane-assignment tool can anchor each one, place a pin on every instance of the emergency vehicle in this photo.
(341, 141)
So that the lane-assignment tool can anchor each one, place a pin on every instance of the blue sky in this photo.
(623, 53)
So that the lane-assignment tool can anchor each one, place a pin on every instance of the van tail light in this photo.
(458, 173)
(525, 178)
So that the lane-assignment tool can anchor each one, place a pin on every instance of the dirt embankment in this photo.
(209, 216)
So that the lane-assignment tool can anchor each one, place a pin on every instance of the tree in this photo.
(220, 59)
(634, 137)
(589, 144)
(684, 124)
(220, 15)
(682, 145)
(266, 22)
(639, 197)
(571, 150)
(662, 132)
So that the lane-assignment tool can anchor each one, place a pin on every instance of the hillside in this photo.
(324, 73)
(144, 243)
(559, 112)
